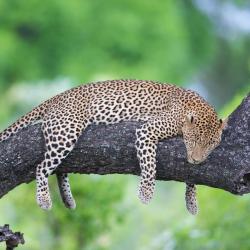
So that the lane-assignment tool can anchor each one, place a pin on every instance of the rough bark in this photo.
(110, 149)
(11, 239)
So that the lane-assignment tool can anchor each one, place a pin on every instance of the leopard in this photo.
(164, 110)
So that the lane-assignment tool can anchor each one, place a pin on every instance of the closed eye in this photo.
(214, 142)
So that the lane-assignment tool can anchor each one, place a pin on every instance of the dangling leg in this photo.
(65, 191)
(190, 197)
(60, 138)
(147, 138)
(146, 153)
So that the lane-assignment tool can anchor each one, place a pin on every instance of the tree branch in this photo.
(12, 239)
(110, 149)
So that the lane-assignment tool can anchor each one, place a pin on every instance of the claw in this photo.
(145, 194)
(70, 203)
(44, 201)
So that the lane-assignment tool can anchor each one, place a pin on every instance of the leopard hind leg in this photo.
(60, 138)
(65, 190)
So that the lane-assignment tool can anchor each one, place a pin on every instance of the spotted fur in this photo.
(166, 111)
(190, 197)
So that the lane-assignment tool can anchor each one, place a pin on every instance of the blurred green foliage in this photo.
(49, 46)
(97, 198)
(223, 223)
(131, 39)
(235, 102)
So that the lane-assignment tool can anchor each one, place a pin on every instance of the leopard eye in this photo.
(213, 142)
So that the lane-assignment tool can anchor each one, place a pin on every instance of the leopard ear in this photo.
(189, 119)
(223, 123)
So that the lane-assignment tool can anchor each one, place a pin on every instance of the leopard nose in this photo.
(192, 161)
(196, 160)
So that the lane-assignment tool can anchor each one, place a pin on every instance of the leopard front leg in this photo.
(147, 138)
(190, 198)
(146, 153)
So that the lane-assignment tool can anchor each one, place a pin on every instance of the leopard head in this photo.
(201, 134)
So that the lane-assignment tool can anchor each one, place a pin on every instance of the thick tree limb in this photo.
(110, 149)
